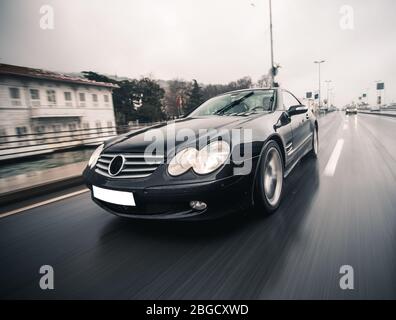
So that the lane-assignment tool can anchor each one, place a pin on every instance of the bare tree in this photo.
(264, 81)
(175, 97)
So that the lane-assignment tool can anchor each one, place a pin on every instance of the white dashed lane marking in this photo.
(332, 163)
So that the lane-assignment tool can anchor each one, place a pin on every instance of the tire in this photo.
(315, 145)
(269, 179)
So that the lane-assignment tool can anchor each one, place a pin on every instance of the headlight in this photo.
(95, 156)
(204, 161)
(182, 162)
(211, 157)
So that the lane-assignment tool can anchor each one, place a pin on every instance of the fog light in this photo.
(198, 205)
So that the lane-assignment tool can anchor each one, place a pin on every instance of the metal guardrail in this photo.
(379, 113)
(29, 144)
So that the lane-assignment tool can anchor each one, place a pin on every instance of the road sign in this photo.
(309, 95)
(364, 95)
(380, 86)
(316, 96)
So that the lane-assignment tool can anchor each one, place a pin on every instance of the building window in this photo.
(34, 94)
(3, 136)
(40, 130)
(94, 97)
(56, 128)
(72, 129)
(68, 99)
(106, 98)
(21, 132)
(15, 93)
(86, 130)
(51, 96)
(68, 96)
(110, 127)
(98, 127)
(82, 96)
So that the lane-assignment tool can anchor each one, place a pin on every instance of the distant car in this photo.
(375, 108)
(198, 178)
(351, 110)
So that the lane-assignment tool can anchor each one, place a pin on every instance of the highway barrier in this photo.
(40, 190)
(385, 114)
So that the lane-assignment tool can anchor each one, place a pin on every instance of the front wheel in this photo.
(315, 144)
(269, 182)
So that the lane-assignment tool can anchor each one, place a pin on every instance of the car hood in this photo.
(138, 141)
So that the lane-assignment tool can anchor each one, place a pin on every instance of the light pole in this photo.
(319, 63)
(366, 91)
(272, 45)
(273, 69)
(328, 91)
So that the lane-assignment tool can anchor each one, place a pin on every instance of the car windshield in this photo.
(236, 104)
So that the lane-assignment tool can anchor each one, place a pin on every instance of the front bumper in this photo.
(165, 202)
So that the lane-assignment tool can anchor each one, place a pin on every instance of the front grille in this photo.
(137, 165)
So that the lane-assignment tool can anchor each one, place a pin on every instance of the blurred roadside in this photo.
(56, 169)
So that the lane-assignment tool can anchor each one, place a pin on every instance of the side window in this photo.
(289, 100)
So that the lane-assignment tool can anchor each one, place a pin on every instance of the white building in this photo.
(42, 111)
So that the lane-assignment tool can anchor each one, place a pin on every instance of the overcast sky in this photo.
(213, 41)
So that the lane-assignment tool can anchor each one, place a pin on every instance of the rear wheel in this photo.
(269, 181)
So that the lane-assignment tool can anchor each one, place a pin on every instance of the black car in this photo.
(232, 153)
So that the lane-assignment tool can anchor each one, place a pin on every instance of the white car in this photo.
(351, 109)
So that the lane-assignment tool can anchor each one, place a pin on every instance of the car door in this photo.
(300, 126)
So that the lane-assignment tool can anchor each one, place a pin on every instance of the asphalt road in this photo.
(347, 217)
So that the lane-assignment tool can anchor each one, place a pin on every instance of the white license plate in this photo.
(113, 196)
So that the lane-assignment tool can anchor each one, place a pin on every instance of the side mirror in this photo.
(298, 109)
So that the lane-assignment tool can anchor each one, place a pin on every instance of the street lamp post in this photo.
(319, 63)
(328, 91)
(272, 45)
(367, 96)
(273, 69)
